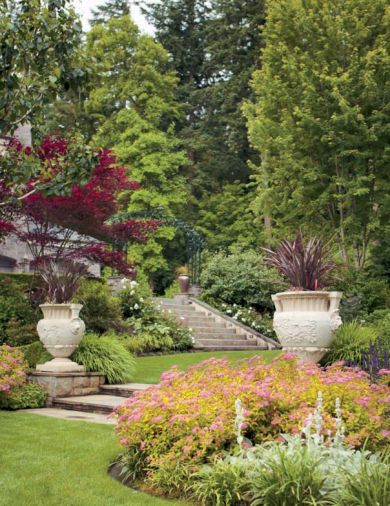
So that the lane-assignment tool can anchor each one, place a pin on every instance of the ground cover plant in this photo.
(188, 419)
(29, 449)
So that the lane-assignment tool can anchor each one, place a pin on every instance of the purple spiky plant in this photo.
(307, 266)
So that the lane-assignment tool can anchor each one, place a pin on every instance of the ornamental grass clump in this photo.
(107, 355)
(306, 266)
(189, 417)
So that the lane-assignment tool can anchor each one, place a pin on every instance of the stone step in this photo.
(199, 318)
(202, 322)
(222, 342)
(184, 312)
(178, 307)
(99, 403)
(70, 414)
(213, 330)
(125, 390)
(218, 333)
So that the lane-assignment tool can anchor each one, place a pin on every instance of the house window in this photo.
(7, 264)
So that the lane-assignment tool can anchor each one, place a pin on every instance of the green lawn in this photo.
(50, 462)
(150, 368)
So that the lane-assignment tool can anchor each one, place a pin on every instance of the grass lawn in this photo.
(150, 368)
(50, 462)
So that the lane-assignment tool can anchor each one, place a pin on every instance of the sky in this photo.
(84, 7)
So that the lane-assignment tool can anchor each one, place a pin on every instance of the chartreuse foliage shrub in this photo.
(241, 278)
(105, 354)
(15, 392)
(12, 369)
(189, 417)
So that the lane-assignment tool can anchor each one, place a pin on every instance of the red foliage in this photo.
(6, 227)
(49, 221)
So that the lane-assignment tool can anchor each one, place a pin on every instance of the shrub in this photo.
(153, 330)
(350, 342)
(145, 342)
(363, 293)
(107, 355)
(19, 334)
(101, 311)
(29, 395)
(240, 278)
(14, 305)
(297, 470)
(35, 353)
(188, 417)
(248, 316)
(12, 369)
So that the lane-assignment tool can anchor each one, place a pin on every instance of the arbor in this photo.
(38, 41)
(135, 108)
(77, 226)
(319, 120)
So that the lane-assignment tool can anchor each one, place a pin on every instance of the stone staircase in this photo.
(104, 402)
(211, 329)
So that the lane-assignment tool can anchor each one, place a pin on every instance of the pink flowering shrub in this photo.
(12, 369)
(189, 417)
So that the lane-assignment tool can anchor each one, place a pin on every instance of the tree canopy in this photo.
(320, 120)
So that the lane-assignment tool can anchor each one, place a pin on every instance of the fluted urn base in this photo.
(60, 365)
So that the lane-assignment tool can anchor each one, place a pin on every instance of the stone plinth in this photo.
(67, 384)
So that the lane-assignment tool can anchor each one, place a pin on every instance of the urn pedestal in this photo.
(305, 322)
(60, 331)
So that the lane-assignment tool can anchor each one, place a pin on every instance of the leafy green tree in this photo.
(320, 120)
(225, 218)
(38, 39)
(134, 107)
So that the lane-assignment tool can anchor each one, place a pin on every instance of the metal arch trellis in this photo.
(195, 241)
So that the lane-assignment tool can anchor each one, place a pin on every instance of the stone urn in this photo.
(184, 283)
(305, 321)
(60, 331)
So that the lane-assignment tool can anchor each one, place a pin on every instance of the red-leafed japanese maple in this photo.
(76, 225)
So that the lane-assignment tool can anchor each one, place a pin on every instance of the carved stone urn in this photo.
(305, 322)
(60, 331)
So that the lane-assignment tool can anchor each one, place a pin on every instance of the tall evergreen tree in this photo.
(214, 47)
(108, 10)
(134, 107)
(320, 120)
